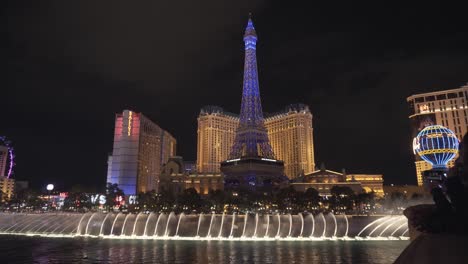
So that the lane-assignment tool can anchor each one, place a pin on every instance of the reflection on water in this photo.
(17, 249)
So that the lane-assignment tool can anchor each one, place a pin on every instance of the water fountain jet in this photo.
(232, 225)
(122, 232)
(178, 224)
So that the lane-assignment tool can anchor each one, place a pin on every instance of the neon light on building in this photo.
(129, 123)
(436, 145)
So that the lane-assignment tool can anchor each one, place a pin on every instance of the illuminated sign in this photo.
(98, 199)
(132, 199)
(120, 200)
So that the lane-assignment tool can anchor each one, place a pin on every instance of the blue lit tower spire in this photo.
(251, 136)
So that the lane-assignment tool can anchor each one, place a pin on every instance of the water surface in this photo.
(20, 249)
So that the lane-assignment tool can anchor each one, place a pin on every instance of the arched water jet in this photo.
(336, 224)
(221, 227)
(32, 221)
(324, 225)
(122, 232)
(79, 225)
(183, 226)
(290, 225)
(279, 226)
(406, 231)
(6, 228)
(347, 225)
(19, 223)
(302, 224)
(232, 225)
(113, 224)
(146, 224)
(372, 223)
(102, 224)
(58, 224)
(211, 223)
(89, 221)
(267, 225)
(246, 217)
(135, 223)
(157, 223)
(256, 225)
(178, 224)
(55, 229)
(313, 225)
(379, 225)
(51, 228)
(42, 224)
(399, 227)
(34, 224)
(167, 223)
(397, 220)
(68, 226)
(199, 221)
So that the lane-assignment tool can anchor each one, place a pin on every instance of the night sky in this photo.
(71, 66)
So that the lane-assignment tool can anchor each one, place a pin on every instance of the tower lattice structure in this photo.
(251, 139)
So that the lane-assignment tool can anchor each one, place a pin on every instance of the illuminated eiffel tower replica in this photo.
(251, 162)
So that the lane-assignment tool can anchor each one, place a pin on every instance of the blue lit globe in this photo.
(436, 145)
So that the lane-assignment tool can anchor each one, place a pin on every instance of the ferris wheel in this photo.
(9, 156)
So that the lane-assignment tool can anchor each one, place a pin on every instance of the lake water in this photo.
(21, 249)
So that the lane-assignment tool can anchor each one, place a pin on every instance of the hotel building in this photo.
(290, 133)
(176, 177)
(215, 137)
(3, 160)
(291, 137)
(7, 187)
(140, 149)
(448, 108)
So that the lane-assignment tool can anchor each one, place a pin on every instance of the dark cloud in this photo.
(72, 66)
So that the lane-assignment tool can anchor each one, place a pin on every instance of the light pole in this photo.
(49, 188)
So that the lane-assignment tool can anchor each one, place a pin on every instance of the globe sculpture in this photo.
(436, 145)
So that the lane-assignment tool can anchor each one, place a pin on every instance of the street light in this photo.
(49, 188)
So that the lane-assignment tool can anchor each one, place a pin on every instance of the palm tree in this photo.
(310, 199)
(113, 192)
(190, 200)
(342, 198)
